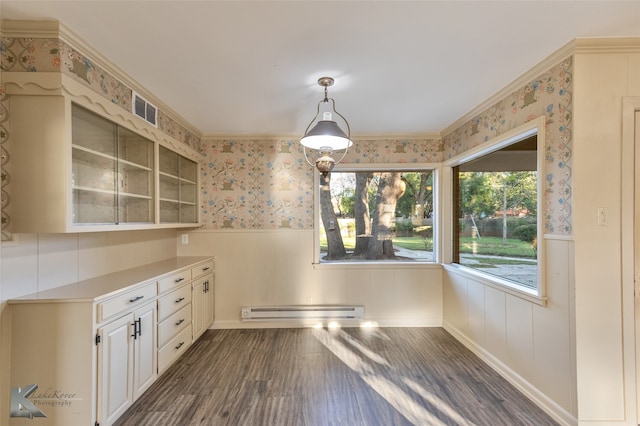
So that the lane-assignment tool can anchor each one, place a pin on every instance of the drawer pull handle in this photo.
(179, 345)
(205, 269)
(135, 299)
(180, 322)
(179, 300)
(179, 279)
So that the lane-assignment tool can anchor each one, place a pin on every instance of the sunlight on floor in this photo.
(355, 355)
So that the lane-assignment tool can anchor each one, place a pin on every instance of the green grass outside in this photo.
(488, 246)
(494, 246)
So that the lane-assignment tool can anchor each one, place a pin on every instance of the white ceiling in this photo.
(251, 68)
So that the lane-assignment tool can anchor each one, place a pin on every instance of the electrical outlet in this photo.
(185, 238)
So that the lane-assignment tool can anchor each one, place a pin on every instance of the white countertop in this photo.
(104, 286)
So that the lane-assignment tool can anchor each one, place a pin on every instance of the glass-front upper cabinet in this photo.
(112, 172)
(178, 188)
(81, 163)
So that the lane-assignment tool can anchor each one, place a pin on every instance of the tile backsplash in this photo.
(36, 262)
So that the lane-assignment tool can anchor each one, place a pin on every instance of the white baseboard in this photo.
(534, 394)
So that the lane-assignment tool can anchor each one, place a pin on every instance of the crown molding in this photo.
(56, 29)
(541, 67)
(582, 45)
(407, 136)
(29, 28)
(607, 45)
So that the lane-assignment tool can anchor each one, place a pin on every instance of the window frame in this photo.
(435, 168)
(533, 127)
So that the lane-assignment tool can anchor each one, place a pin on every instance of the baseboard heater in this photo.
(254, 313)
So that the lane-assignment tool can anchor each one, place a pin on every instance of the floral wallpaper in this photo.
(54, 55)
(550, 95)
(5, 174)
(267, 184)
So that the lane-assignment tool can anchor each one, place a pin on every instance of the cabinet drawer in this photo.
(168, 328)
(202, 269)
(170, 303)
(125, 301)
(173, 281)
(173, 349)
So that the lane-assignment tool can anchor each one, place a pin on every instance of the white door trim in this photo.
(630, 241)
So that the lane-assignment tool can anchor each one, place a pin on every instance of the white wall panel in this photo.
(91, 253)
(57, 260)
(530, 344)
(520, 336)
(274, 268)
(495, 320)
(382, 295)
(455, 301)
(359, 287)
(475, 311)
(602, 80)
(552, 329)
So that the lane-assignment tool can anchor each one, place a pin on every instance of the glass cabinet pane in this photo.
(168, 161)
(178, 188)
(93, 170)
(93, 132)
(112, 172)
(135, 178)
(90, 207)
(188, 170)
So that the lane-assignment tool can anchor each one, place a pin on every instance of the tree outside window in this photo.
(377, 215)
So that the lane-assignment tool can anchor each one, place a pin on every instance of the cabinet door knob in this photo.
(179, 300)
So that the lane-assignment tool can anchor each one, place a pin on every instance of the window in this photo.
(496, 211)
(376, 215)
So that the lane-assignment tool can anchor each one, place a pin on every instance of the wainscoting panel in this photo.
(531, 345)
(274, 267)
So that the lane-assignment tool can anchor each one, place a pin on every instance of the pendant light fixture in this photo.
(326, 136)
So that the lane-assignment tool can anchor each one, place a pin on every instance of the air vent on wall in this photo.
(145, 110)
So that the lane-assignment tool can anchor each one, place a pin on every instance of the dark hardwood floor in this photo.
(350, 376)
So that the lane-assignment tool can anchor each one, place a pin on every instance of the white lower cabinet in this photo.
(115, 365)
(126, 361)
(203, 302)
(145, 366)
(93, 347)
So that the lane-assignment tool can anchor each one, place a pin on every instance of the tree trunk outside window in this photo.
(335, 245)
(390, 189)
(361, 212)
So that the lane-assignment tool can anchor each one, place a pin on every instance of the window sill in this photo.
(376, 264)
(506, 286)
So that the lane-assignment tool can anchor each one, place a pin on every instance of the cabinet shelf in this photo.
(94, 190)
(169, 200)
(174, 177)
